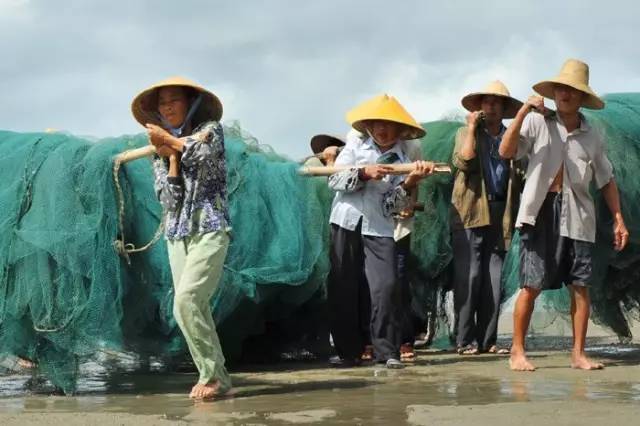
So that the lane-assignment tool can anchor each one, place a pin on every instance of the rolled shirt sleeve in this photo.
(528, 134)
(347, 180)
(601, 166)
(458, 162)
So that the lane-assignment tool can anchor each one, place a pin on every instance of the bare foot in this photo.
(206, 391)
(26, 364)
(519, 362)
(195, 390)
(581, 362)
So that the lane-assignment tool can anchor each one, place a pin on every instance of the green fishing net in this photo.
(66, 295)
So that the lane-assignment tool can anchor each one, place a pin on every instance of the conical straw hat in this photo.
(385, 107)
(144, 105)
(473, 101)
(574, 73)
(322, 141)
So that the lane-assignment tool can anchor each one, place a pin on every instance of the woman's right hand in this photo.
(376, 172)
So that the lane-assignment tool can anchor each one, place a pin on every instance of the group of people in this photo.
(533, 176)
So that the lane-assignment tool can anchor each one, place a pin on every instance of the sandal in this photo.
(467, 350)
(367, 355)
(494, 350)
(407, 353)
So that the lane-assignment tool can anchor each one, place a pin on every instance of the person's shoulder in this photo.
(313, 162)
(413, 149)
(208, 126)
(536, 119)
(355, 139)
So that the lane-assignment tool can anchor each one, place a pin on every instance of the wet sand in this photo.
(438, 389)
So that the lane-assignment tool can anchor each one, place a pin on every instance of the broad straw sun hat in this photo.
(473, 101)
(574, 73)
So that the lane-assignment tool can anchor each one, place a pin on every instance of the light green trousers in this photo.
(196, 266)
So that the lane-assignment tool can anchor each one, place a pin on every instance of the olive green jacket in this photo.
(469, 198)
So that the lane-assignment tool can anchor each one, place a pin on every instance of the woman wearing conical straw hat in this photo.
(557, 218)
(484, 204)
(362, 231)
(182, 120)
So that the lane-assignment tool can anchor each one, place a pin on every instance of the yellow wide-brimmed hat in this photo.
(574, 73)
(385, 107)
(144, 105)
(473, 101)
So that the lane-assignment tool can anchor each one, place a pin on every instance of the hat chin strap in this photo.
(177, 131)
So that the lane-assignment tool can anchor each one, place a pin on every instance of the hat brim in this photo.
(473, 102)
(144, 105)
(591, 100)
(408, 131)
(320, 142)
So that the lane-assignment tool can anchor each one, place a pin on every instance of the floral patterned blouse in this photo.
(196, 201)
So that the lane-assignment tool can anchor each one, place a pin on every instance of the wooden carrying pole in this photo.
(135, 154)
(397, 169)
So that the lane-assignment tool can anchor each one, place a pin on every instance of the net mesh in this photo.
(65, 294)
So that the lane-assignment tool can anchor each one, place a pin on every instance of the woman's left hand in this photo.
(422, 169)
(157, 135)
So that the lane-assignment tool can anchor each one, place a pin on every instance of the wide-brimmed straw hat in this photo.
(385, 107)
(574, 73)
(473, 101)
(145, 105)
(322, 141)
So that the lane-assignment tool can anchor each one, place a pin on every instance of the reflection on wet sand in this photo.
(310, 393)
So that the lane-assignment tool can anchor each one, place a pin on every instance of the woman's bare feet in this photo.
(206, 391)
(519, 361)
(26, 364)
(581, 362)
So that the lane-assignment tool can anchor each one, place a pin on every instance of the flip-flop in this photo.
(367, 355)
(467, 350)
(407, 352)
(502, 351)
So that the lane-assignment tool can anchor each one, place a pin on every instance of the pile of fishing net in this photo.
(66, 294)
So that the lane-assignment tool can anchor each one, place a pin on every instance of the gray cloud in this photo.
(289, 69)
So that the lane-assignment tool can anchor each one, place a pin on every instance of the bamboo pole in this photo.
(398, 169)
(135, 154)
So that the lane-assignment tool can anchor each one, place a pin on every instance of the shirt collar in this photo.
(397, 148)
(584, 123)
(500, 133)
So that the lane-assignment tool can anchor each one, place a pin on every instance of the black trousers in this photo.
(402, 254)
(357, 258)
(477, 274)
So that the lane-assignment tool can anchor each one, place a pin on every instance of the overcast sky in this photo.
(289, 69)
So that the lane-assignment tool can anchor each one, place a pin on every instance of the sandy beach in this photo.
(440, 388)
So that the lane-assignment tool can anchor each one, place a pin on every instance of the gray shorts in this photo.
(548, 260)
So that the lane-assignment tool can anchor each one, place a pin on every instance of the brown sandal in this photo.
(367, 355)
(467, 350)
(407, 352)
(494, 350)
